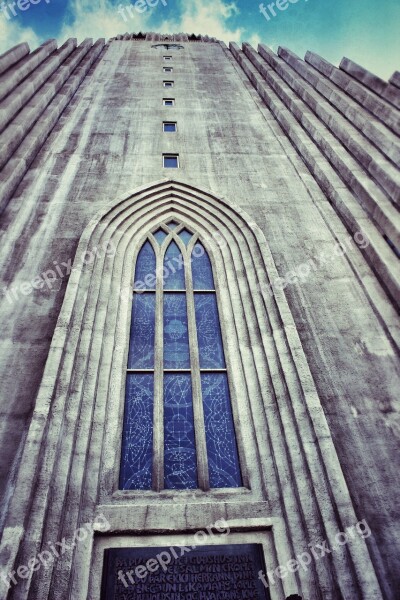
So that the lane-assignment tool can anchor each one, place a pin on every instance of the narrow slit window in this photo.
(167, 69)
(168, 84)
(169, 101)
(167, 57)
(179, 430)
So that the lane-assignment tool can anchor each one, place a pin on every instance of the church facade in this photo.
(200, 329)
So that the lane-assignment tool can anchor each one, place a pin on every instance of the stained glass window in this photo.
(145, 275)
(179, 437)
(141, 350)
(137, 437)
(208, 332)
(176, 335)
(160, 235)
(223, 461)
(173, 272)
(201, 269)
(179, 430)
(185, 236)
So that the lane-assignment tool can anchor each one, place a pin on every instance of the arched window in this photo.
(178, 426)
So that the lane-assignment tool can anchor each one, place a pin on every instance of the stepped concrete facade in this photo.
(289, 172)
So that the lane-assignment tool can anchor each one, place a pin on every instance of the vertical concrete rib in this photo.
(372, 82)
(13, 135)
(369, 194)
(11, 78)
(378, 107)
(308, 136)
(15, 101)
(371, 160)
(16, 168)
(336, 93)
(12, 56)
(395, 79)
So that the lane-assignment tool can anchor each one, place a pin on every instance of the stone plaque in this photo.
(228, 572)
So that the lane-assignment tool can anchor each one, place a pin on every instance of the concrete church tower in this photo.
(229, 427)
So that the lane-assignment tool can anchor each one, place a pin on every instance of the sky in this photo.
(366, 31)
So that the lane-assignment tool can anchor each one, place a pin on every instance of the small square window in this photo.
(171, 161)
(168, 83)
(169, 126)
(167, 57)
(167, 69)
(169, 101)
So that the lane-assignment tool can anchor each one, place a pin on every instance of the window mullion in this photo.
(158, 423)
(200, 435)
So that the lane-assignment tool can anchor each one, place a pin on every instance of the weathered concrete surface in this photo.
(108, 141)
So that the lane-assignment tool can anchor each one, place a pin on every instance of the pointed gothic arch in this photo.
(71, 457)
(179, 430)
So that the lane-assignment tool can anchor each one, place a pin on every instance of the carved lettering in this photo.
(204, 573)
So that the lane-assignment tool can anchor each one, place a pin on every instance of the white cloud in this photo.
(254, 40)
(86, 18)
(102, 19)
(208, 17)
(11, 34)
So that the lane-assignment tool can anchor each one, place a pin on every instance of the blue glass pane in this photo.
(170, 127)
(171, 162)
(137, 440)
(160, 235)
(172, 225)
(208, 332)
(180, 467)
(223, 460)
(185, 236)
(176, 338)
(201, 269)
(174, 269)
(141, 348)
(145, 277)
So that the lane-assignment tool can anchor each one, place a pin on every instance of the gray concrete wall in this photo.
(244, 146)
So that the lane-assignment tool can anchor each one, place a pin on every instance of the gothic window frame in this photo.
(195, 370)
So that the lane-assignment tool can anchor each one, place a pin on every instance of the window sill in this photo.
(222, 493)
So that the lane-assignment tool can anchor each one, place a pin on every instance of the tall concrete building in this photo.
(200, 328)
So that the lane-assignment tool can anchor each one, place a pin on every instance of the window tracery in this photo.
(178, 429)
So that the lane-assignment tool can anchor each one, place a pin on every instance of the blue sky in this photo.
(367, 31)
